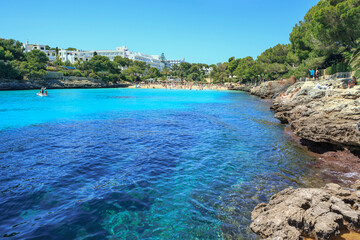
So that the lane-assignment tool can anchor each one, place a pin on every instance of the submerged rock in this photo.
(319, 213)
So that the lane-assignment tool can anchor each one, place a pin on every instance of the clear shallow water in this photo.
(140, 164)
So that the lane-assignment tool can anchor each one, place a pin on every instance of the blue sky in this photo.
(206, 31)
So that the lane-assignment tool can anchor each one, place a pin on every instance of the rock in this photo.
(357, 193)
(330, 116)
(68, 82)
(241, 87)
(270, 89)
(356, 185)
(316, 212)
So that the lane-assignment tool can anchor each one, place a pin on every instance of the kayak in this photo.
(41, 95)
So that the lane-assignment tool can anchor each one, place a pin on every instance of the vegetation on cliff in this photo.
(15, 64)
(328, 38)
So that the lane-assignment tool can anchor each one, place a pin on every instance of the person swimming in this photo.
(43, 92)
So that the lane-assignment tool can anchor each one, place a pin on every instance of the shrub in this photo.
(336, 68)
(10, 70)
(357, 75)
(77, 73)
(93, 75)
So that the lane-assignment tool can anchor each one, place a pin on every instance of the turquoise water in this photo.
(140, 164)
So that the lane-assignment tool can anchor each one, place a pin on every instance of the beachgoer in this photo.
(352, 83)
(312, 71)
(317, 74)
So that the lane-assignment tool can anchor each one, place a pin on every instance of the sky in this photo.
(201, 31)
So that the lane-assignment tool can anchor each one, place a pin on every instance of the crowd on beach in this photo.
(185, 86)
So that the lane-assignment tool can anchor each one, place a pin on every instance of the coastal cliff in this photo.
(325, 117)
(271, 89)
(267, 90)
(325, 112)
(322, 114)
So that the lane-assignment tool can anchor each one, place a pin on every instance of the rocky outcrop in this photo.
(10, 84)
(319, 213)
(271, 89)
(241, 87)
(322, 115)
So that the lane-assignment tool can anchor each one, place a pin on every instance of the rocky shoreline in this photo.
(324, 117)
(315, 213)
(69, 82)
(326, 121)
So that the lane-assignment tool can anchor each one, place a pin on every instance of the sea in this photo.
(141, 163)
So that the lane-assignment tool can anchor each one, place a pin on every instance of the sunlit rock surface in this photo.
(321, 114)
(319, 213)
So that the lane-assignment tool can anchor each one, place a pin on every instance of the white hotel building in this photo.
(50, 53)
(81, 55)
(173, 62)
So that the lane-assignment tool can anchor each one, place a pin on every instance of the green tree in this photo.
(10, 70)
(184, 70)
(123, 62)
(134, 72)
(57, 53)
(247, 69)
(274, 62)
(35, 64)
(99, 64)
(2, 53)
(219, 73)
(36, 56)
(142, 65)
(67, 63)
(8, 55)
(14, 47)
(165, 71)
(233, 63)
(163, 58)
(154, 72)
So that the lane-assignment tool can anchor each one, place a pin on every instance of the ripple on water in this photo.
(176, 164)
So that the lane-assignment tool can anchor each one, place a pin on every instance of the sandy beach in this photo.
(186, 86)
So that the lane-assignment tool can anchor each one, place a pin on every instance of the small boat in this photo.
(42, 94)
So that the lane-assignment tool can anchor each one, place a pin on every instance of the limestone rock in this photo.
(68, 82)
(330, 115)
(316, 212)
(270, 89)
